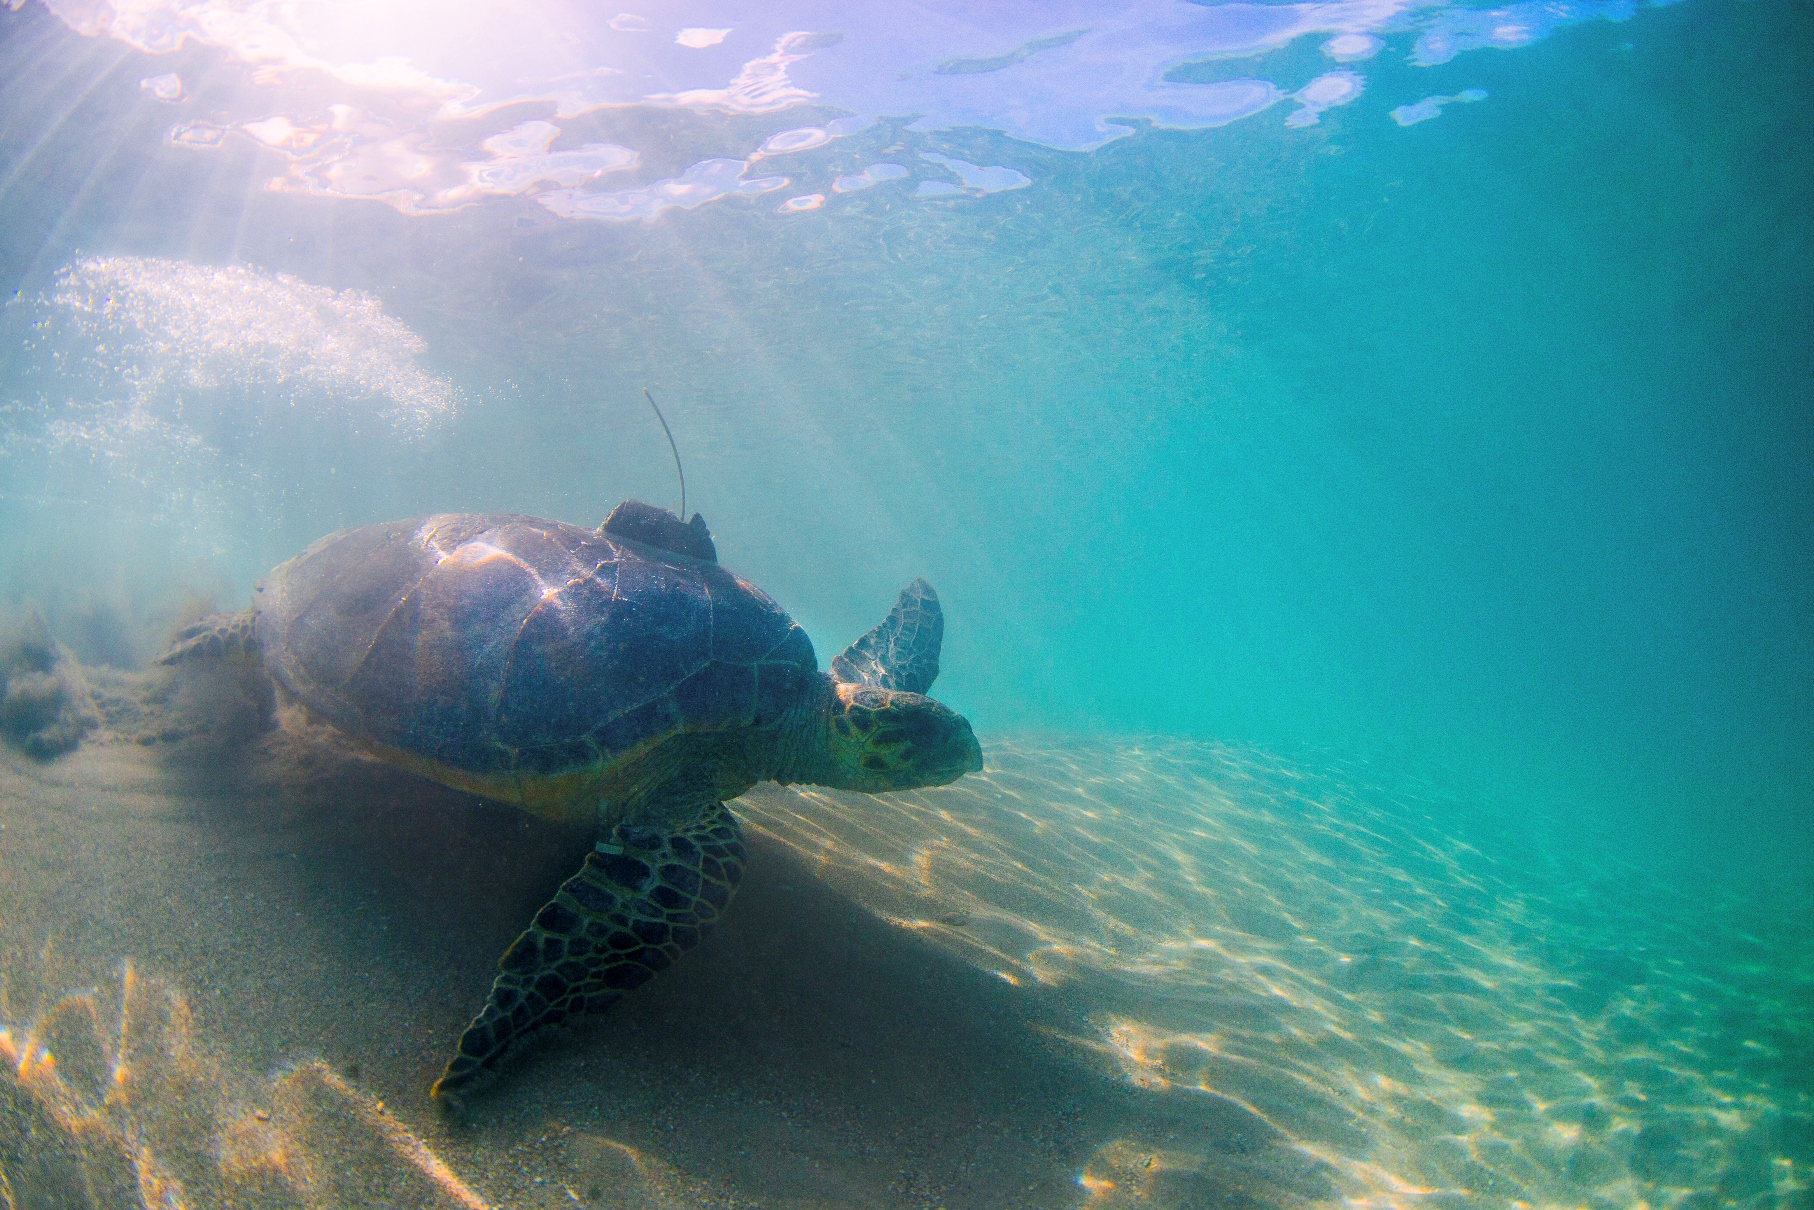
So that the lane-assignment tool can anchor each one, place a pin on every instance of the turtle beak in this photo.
(951, 755)
(939, 745)
(972, 751)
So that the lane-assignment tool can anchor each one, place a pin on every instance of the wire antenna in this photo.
(673, 447)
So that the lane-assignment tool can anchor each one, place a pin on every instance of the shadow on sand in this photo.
(308, 931)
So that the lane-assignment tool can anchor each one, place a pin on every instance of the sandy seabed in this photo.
(1099, 974)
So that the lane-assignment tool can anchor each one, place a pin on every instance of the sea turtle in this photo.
(618, 678)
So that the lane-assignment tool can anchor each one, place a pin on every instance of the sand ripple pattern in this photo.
(106, 1101)
(1228, 980)
(1432, 1026)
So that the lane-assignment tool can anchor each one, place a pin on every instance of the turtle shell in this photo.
(510, 647)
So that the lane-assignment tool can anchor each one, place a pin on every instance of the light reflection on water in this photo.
(363, 109)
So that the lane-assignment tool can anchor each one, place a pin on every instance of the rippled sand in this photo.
(1107, 975)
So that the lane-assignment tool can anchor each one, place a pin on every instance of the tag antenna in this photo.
(674, 448)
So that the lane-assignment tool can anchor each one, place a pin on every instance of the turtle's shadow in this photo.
(808, 1050)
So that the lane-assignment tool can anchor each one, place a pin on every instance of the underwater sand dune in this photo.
(1156, 975)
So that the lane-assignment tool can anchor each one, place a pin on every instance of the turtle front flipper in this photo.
(642, 899)
(229, 637)
(902, 651)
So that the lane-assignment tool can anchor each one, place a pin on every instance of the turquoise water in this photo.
(1460, 434)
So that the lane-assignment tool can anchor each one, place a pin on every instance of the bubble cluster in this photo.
(171, 322)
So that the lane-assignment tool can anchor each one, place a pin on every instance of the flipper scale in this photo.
(902, 651)
(231, 638)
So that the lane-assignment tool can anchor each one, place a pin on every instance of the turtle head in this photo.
(889, 739)
(872, 727)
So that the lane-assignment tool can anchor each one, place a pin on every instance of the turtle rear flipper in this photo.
(902, 652)
(641, 900)
(231, 638)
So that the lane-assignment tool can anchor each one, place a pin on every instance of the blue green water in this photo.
(1479, 442)
(1474, 449)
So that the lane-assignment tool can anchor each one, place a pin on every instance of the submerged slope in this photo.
(1111, 974)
